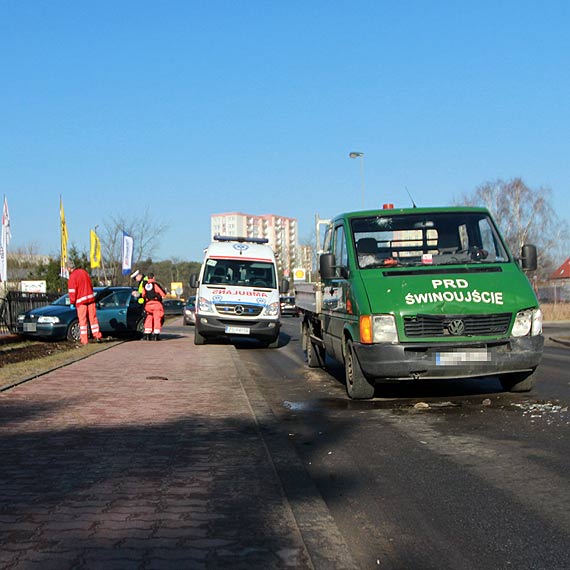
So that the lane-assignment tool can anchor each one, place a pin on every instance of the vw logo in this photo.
(241, 246)
(456, 327)
(238, 310)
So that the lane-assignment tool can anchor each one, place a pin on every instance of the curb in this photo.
(323, 541)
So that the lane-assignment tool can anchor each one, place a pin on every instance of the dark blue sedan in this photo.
(118, 313)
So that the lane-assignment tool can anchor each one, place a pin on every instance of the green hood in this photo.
(449, 291)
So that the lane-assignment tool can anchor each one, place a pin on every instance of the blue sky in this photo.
(192, 108)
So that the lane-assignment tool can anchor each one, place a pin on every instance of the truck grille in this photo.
(419, 326)
(239, 309)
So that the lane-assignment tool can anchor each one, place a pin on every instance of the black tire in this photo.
(517, 381)
(73, 331)
(198, 338)
(271, 343)
(139, 332)
(314, 353)
(357, 386)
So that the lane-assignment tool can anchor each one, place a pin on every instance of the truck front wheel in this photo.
(517, 381)
(357, 386)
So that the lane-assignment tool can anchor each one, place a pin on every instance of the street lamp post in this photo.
(361, 156)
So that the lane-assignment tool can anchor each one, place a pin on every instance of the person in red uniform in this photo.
(153, 294)
(81, 295)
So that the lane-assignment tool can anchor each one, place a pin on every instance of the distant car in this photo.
(190, 311)
(173, 306)
(118, 313)
(288, 306)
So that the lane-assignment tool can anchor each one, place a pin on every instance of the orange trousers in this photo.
(154, 313)
(87, 313)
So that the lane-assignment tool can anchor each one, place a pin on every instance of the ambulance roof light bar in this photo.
(241, 239)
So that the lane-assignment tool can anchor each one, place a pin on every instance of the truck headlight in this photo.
(204, 306)
(378, 328)
(384, 328)
(48, 320)
(272, 310)
(528, 322)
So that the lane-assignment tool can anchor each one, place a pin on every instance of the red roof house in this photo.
(563, 272)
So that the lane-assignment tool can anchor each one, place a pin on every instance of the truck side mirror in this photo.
(284, 286)
(529, 257)
(327, 264)
(194, 280)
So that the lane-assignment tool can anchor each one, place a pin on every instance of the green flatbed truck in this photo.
(421, 294)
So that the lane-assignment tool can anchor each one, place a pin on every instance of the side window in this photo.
(327, 241)
(340, 252)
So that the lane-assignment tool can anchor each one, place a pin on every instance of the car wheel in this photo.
(357, 386)
(73, 331)
(140, 328)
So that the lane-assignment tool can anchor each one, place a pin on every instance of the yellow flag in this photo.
(64, 272)
(95, 250)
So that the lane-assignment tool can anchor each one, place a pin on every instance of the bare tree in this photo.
(145, 231)
(524, 215)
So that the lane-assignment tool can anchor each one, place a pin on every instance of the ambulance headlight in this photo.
(528, 322)
(384, 328)
(204, 306)
(272, 310)
(48, 320)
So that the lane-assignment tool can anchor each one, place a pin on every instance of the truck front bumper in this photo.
(260, 329)
(392, 362)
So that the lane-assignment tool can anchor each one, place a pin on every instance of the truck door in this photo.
(335, 294)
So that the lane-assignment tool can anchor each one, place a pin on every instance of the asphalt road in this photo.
(479, 480)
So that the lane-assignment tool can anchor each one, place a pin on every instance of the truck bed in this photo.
(308, 296)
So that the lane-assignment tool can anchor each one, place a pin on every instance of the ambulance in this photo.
(237, 292)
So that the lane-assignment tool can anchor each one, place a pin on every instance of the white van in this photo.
(237, 292)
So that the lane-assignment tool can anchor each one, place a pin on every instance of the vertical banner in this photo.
(63, 272)
(127, 253)
(5, 236)
(95, 250)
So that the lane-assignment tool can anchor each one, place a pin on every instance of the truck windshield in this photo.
(239, 272)
(439, 238)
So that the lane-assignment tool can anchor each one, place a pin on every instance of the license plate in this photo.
(461, 356)
(237, 330)
(30, 327)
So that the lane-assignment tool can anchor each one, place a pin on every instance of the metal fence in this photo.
(16, 303)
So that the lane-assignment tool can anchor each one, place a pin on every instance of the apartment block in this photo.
(280, 231)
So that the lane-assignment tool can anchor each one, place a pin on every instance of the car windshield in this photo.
(439, 238)
(239, 272)
(63, 300)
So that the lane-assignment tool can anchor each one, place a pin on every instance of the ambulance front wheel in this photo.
(198, 338)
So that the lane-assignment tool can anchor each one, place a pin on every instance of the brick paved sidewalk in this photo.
(147, 456)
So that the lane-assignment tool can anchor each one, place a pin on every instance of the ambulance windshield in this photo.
(439, 238)
(239, 272)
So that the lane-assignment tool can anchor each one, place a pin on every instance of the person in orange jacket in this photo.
(81, 295)
(153, 293)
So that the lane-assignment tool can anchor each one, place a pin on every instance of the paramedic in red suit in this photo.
(81, 295)
(153, 294)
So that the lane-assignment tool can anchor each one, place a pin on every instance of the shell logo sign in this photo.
(299, 274)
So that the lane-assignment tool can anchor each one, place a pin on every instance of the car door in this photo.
(112, 311)
(334, 294)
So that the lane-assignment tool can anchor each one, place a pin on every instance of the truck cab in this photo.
(424, 293)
